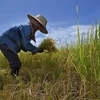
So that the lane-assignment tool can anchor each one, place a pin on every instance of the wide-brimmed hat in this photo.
(40, 20)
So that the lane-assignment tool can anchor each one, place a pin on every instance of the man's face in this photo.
(35, 28)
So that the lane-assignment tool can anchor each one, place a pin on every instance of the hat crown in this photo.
(41, 19)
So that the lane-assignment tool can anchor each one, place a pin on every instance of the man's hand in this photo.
(40, 50)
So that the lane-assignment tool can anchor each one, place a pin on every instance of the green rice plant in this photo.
(80, 47)
(78, 31)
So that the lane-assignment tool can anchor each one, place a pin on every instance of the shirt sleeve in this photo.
(26, 32)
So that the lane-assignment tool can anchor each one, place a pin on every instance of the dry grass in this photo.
(48, 44)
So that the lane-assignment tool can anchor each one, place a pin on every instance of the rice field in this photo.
(70, 73)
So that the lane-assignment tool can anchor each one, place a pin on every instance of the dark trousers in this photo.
(12, 58)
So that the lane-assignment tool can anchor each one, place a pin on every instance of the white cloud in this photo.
(65, 35)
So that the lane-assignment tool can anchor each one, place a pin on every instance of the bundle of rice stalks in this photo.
(48, 44)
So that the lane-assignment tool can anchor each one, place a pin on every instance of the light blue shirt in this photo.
(18, 38)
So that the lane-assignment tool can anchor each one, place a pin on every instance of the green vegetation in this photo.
(70, 73)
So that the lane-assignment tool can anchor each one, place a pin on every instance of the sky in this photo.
(61, 16)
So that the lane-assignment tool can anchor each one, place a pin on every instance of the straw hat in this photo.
(40, 21)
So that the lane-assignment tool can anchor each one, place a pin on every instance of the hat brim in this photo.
(41, 27)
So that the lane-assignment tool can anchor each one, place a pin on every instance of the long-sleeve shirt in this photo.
(18, 38)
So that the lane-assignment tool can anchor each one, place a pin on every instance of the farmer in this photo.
(18, 38)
